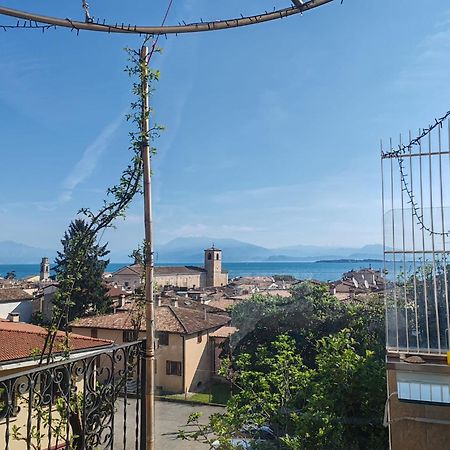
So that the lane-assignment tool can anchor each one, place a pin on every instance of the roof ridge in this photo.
(130, 266)
(176, 317)
(59, 333)
(117, 313)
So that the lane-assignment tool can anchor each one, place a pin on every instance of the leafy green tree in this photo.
(138, 255)
(338, 405)
(309, 315)
(10, 275)
(79, 267)
(267, 386)
(346, 403)
(311, 367)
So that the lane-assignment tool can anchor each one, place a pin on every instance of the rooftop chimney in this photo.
(122, 301)
(175, 303)
(14, 317)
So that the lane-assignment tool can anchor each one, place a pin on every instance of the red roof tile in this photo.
(19, 340)
(224, 332)
(116, 292)
(160, 270)
(13, 295)
(168, 318)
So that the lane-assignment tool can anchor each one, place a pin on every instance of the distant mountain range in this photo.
(190, 250)
(16, 253)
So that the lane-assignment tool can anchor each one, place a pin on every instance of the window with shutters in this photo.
(163, 338)
(130, 335)
(173, 368)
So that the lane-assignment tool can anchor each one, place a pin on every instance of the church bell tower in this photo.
(213, 266)
(44, 274)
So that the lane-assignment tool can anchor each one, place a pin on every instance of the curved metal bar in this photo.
(173, 29)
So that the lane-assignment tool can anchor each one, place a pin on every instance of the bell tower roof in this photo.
(212, 249)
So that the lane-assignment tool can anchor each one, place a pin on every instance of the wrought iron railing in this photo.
(85, 402)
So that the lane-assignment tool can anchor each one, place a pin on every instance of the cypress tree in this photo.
(79, 264)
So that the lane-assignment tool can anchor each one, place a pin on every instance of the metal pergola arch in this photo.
(222, 24)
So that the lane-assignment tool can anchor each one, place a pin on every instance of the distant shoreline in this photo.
(370, 260)
(325, 271)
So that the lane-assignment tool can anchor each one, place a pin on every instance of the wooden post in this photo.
(149, 266)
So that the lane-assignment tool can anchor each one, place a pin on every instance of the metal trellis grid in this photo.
(416, 229)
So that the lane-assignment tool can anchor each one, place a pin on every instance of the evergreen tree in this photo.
(10, 275)
(79, 264)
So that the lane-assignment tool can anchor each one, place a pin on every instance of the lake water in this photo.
(328, 271)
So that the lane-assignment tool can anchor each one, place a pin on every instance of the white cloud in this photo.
(429, 69)
(89, 160)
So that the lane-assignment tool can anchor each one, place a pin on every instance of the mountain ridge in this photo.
(12, 252)
(191, 250)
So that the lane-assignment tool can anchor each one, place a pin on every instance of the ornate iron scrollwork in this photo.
(81, 403)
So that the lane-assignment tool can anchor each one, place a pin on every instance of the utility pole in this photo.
(149, 263)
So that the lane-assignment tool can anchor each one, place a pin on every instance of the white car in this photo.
(248, 435)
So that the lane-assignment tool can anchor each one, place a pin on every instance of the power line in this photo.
(155, 42)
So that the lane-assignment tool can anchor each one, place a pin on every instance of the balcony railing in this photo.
(87, 402)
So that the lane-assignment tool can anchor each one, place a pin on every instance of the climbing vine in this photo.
(118, 198)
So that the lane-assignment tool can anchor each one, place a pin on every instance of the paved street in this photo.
(170, 417)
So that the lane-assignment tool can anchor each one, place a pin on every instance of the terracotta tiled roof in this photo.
(135, 269)
(116, 292)
(168, 318)
(119, 320)
(188, 303)
(19, 340)
(13, 295)
(224, 332)
(181, 270)
(222, 303)
(161, 270)
(194, 320)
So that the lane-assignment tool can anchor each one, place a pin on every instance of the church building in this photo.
(191, 277)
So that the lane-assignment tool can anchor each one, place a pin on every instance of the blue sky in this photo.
(272, 130)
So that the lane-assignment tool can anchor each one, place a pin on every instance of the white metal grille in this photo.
(416, 226)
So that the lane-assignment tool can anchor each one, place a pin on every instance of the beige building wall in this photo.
(172, 352)
(133, 282)
(221, 279)
(189, 281)
(130, 281)
(195, 358)
(198, 361)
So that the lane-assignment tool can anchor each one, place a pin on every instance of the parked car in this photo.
(248, 436)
